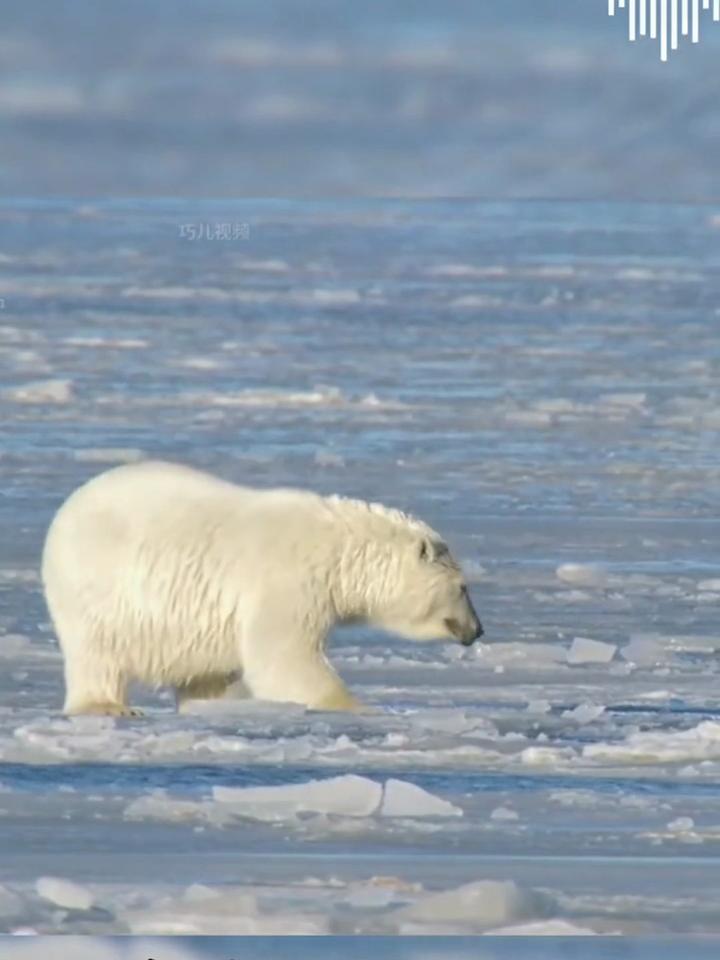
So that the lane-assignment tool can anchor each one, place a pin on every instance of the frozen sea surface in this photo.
(540, 382)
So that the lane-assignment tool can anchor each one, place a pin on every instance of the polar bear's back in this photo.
(141, 488)
(162, 506)
(119, 506)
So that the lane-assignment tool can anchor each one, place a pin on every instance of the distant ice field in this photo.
(422, 98)
(539, 381)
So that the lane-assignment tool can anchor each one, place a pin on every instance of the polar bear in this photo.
(167, 575)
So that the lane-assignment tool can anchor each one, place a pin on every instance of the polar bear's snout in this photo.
(468, 631)
(475, 634)
(466, 635)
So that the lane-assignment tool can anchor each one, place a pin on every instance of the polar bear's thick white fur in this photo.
(164, 574)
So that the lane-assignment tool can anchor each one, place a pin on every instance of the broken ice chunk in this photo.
(539, 706)
(585, 650)
(585, 712)
(404, 799)
(712, 585)
(681, 824)
(349, 796)
(64, 893)
(483, 904)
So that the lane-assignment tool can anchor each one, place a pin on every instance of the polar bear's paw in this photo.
(105, 710)
(341, 700)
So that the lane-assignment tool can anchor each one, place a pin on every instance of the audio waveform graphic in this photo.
(665, 20)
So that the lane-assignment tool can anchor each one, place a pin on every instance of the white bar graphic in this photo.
(675, 19)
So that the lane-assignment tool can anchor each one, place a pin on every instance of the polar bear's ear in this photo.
(425, 551)
(431, 550)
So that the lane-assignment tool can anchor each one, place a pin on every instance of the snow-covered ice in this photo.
(559, 777)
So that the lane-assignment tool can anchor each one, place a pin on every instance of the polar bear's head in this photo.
(428, 598)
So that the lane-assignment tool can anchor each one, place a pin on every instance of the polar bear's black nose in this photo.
(466, 635)
(475, 633)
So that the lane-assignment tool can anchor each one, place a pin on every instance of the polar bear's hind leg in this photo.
(212, 686)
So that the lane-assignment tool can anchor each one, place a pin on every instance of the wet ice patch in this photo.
(11, 905)
(114, 343)
(582, 574)
(625, 400)
(709, 585)
(24, 946)
(263, 266)
(542, 928)
(661, 746)
(472, 907)
(160, 806)
(235, 913)
(15, 645)
(681, 825)
(645, 650)
(539, 707)
(585, 712)
(473, 570)
(92, 738)
(40, 391)
(328, 458)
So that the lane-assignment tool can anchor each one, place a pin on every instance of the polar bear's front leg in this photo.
(95, 685)
(279, 666)
(313, 683)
